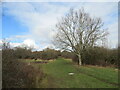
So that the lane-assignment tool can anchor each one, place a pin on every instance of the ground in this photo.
(57, 75)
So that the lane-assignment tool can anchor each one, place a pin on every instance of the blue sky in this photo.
(12, 27)
(33, 23)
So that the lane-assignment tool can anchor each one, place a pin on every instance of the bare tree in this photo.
(77, 31)
(5, 44)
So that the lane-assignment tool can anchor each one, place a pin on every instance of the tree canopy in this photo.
(77, 31)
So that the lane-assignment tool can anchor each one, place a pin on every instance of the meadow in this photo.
(85, 76)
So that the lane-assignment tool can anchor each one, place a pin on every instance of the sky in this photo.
(33, 23)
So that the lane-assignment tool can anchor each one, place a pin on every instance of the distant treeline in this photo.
(91, 56)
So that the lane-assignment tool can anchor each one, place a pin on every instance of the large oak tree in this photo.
(77, 31)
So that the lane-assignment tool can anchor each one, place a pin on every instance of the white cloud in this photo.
(30, 43)
(15, 44)
(40, 24)
(41, 18)
(0, 42)
(113, 35)
(26, 43)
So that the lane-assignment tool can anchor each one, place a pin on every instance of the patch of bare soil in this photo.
(41, 62)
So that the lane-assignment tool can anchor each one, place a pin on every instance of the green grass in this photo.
(109, 75)
(84, 77)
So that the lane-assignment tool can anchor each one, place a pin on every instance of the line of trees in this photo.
(90, 56)
(99, 56)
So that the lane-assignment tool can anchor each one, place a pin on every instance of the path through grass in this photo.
(84, 77)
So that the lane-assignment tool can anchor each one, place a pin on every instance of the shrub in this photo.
(48, 54)
(67, 54)
(98, 56)
(22, 53)
(16, 74)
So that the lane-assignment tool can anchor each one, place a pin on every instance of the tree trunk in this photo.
(79, 60)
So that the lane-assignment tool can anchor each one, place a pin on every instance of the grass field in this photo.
(84, 76)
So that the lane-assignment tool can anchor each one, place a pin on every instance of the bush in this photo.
(22, 53)
(48, 54)
(75, 58)
(67, 54)
(16, 74)
(98, 56)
